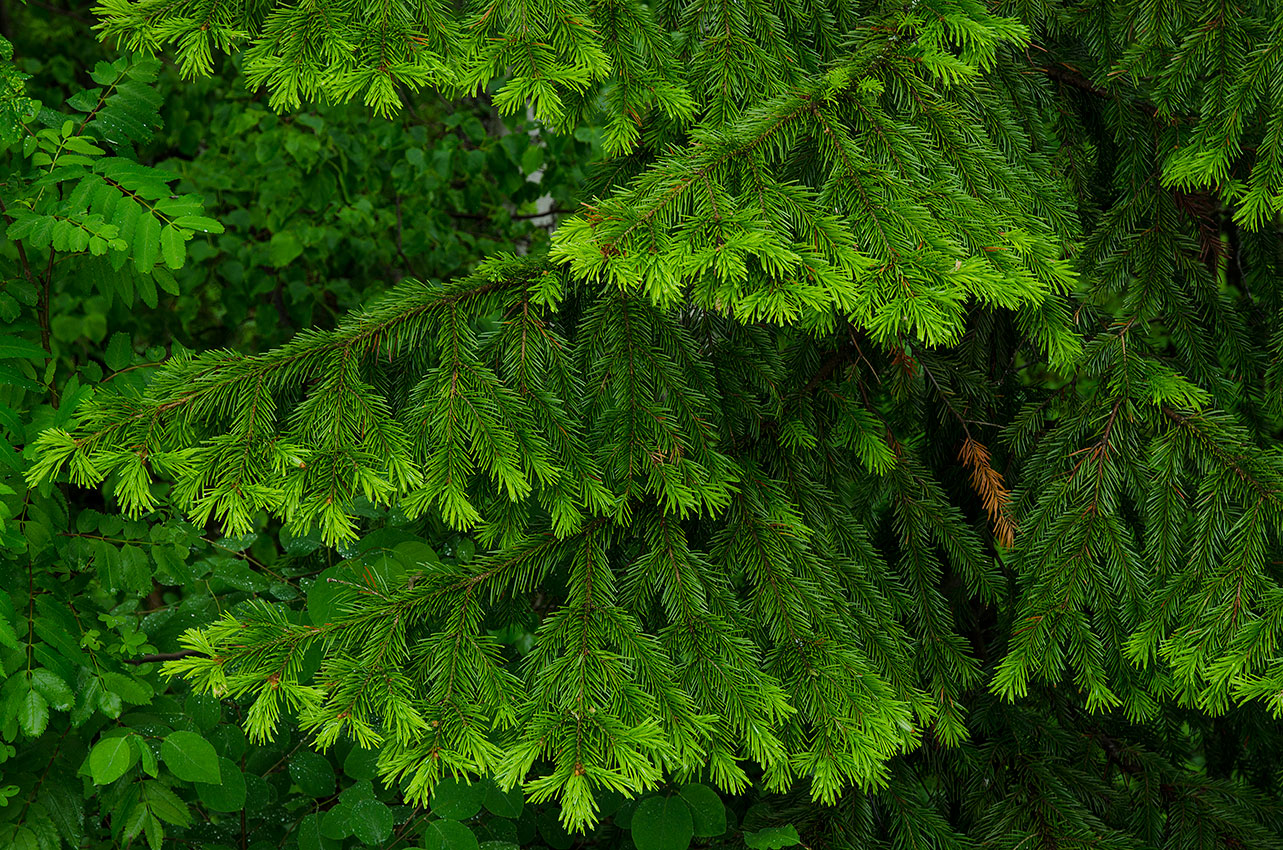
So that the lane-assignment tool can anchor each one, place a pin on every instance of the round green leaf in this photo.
(67, 328)
(313, 773)
(457, 799)
(526, 828)
(310, 663)
(228, 795)
(337, 822)
(608, 802)
(297, 545)
(282, 591)
(228, 740)
(258, 794)
(204, 710)
(310, 837)
(321, 595)
(505, 804)
(553, 833)
(499, 830)
(96, 326)
(189, 756)
(361, 763)
(414, 554)
(624, 814)
(362, 790)
(371, 821)
(663, 823)
(309, 833)
(445, 834)
(109, 760)
(773, 838)
(707, 810)
(283, 249)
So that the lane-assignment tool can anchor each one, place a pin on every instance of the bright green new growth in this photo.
(836, 247)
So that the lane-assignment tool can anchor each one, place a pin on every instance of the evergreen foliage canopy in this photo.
(908, 382)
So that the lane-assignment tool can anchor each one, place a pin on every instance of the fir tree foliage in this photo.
(866, 386)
